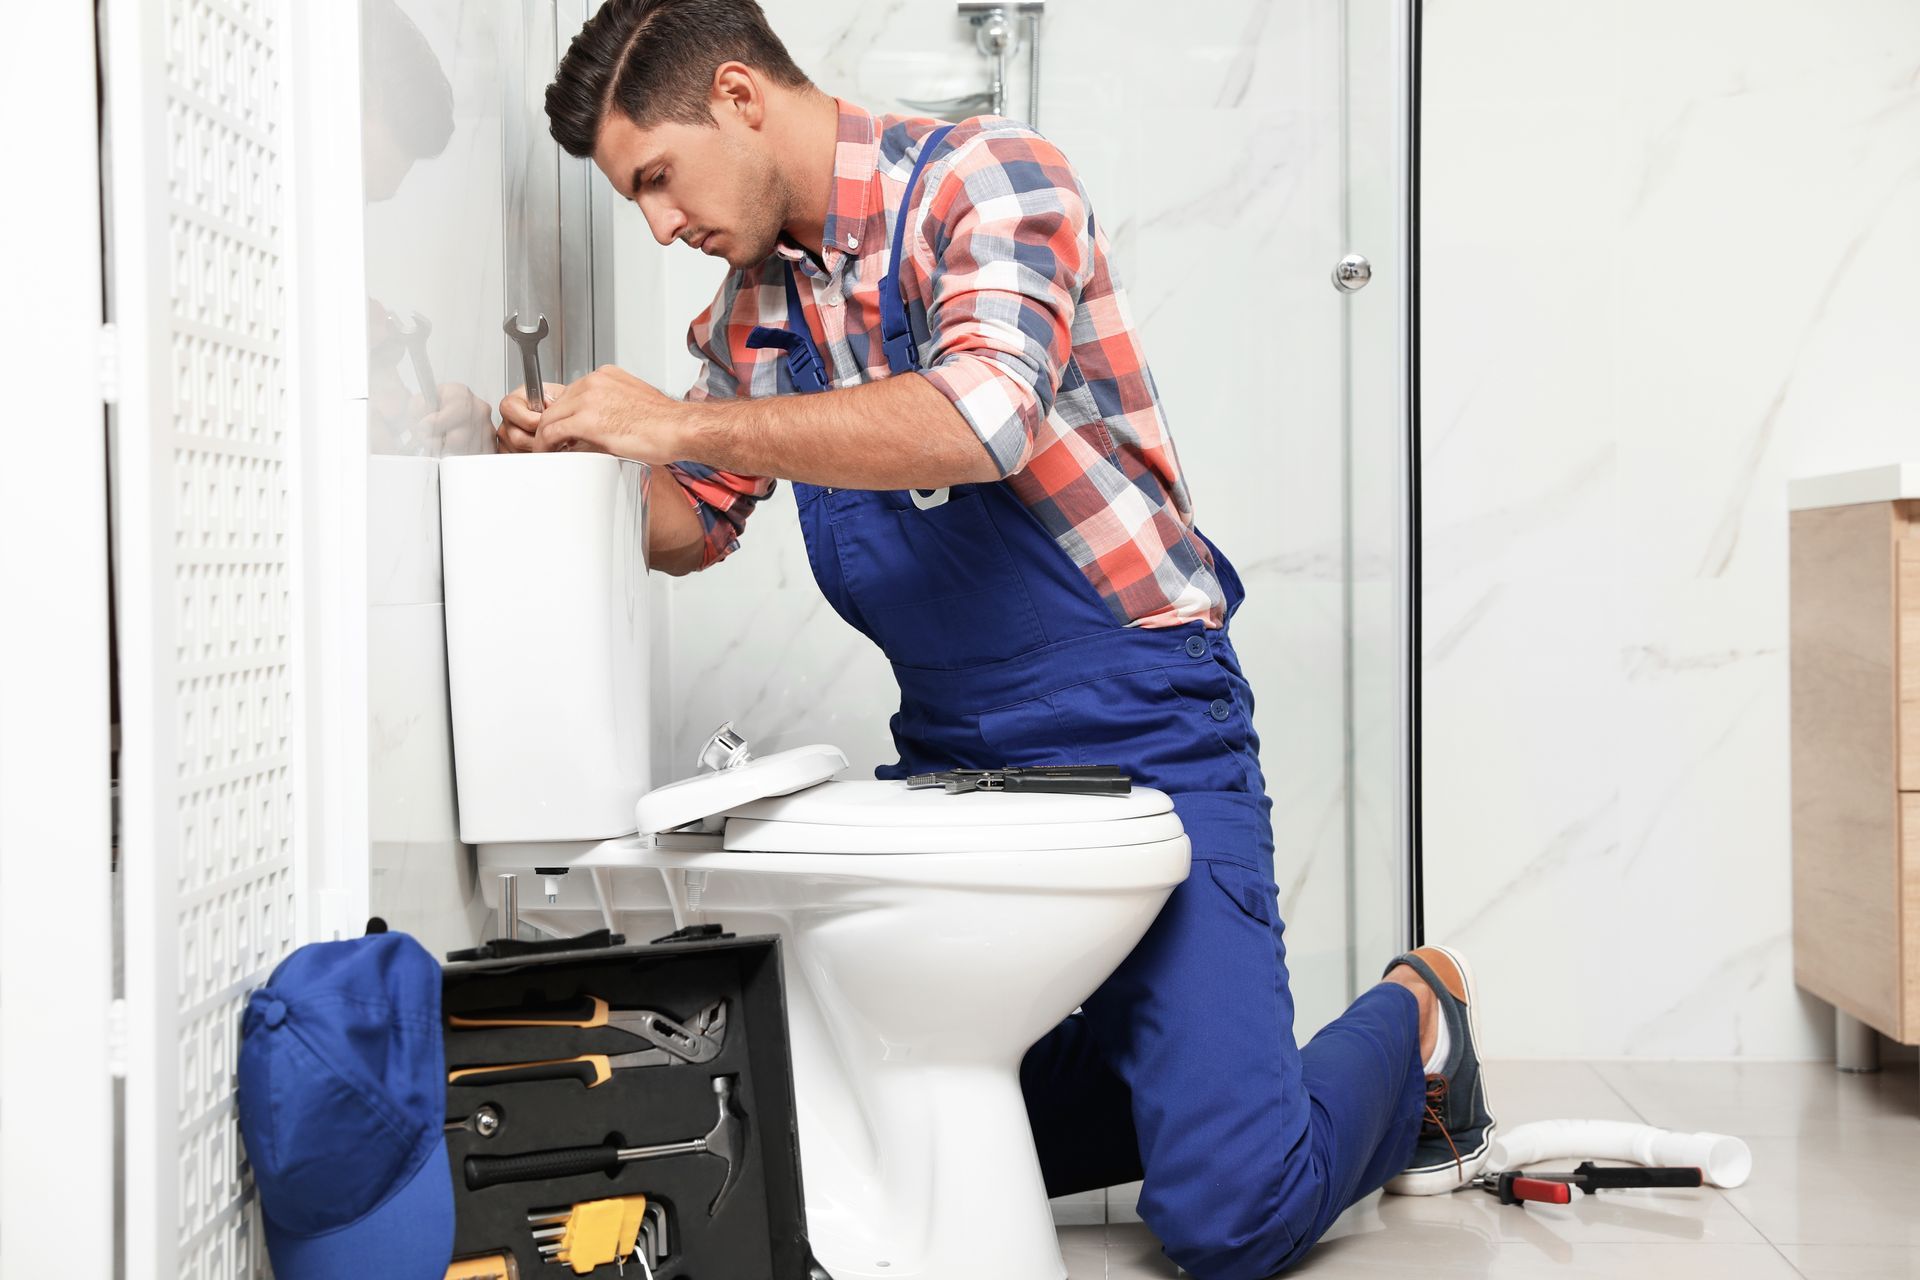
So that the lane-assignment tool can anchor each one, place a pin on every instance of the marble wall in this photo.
(1669, 262)
(1212, 150)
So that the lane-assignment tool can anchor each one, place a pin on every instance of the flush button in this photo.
(1196, 646)
(1220, 709)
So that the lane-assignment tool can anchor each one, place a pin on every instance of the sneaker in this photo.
(1456, 1136)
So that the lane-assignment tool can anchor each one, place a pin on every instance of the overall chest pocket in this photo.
(934, 587)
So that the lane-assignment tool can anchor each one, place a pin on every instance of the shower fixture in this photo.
(995, 33)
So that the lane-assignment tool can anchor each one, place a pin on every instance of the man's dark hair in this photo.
(653, 61)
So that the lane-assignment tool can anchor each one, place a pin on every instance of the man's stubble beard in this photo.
(774, 199)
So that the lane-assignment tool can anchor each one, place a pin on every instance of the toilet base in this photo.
(980, 1209)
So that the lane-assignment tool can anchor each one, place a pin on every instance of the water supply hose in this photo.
(1724, 1161)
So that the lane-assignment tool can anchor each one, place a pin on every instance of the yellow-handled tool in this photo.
(699, 1043)
(590, 1069)
(592, 1233)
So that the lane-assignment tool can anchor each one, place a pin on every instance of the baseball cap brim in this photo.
(409, 1237)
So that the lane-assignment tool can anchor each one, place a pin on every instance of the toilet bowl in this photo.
(928, 940)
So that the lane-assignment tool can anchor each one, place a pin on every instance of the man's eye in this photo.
(660, 178)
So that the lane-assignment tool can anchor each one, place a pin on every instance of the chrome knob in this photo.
(1351, 273)
(726, 749)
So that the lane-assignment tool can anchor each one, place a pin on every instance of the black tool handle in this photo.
(1065, 784)
(589, 1069)
(1593, 1177)
(564, 1162)
(587, 1011)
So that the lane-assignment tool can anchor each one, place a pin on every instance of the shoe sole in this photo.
(1441, 1179)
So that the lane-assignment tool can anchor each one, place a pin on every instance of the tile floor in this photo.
(1835, 1191)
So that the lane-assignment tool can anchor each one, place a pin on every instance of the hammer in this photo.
(727, 1139)
(528, 341)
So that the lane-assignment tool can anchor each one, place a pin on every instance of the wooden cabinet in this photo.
(1855, 654)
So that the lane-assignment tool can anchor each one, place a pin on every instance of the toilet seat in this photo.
(889, 818)
(789, 803)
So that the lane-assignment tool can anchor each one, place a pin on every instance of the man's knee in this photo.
(1235, 1231)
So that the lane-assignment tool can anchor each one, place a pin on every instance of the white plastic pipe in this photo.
(1724, 1161)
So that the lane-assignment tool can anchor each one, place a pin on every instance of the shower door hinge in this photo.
(108, 356)
(117, 1038)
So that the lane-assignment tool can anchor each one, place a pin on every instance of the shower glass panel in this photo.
(1233, 157)
(471, 212)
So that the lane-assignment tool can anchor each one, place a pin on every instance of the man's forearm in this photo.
(897, 433)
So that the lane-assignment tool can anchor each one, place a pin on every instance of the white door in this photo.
(238, 464)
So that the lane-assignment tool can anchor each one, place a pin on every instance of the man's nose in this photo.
(665, 222)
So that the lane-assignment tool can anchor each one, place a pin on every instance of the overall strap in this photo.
(896, 337)
(804, 364)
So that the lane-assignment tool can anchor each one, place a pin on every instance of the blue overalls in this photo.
(1182, 1068)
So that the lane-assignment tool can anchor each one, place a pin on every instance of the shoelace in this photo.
(1436, 1100)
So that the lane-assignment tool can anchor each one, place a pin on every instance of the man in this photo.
(922, 331)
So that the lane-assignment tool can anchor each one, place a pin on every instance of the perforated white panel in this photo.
(209, 572)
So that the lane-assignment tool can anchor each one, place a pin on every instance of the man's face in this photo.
(715, 189)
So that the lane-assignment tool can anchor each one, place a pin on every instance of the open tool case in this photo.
(758, 1229)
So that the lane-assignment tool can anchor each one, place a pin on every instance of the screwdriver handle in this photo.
(590, 1011)
(563, 1162)
(590, 1069)
(1593, 1177)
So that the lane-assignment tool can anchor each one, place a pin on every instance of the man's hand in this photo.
(461, 424)
(611, 411)
(519, 420)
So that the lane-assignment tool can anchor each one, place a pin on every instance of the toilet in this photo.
(927, 939)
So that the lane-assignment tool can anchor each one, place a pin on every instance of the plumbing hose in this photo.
(1724, 1161)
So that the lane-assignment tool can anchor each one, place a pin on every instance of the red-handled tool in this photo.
(1515, 1187)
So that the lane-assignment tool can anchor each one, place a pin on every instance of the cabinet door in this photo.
(1908, 926)
(1846, 799)
(1906, 560)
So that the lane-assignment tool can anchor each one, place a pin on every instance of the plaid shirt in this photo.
(1024, 328)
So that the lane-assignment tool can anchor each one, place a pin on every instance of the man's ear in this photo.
(737, 93)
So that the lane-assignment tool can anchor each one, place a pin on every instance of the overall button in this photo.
(1220, 709)
(1196, 646)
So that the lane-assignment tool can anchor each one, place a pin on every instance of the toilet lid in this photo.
(887, 817)
(707, 795)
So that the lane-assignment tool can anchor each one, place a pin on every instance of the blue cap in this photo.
(343, 1094)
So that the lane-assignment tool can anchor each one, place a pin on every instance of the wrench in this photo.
(529, 343)
(415, 336)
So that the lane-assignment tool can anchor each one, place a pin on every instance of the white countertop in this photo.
(1846, 488)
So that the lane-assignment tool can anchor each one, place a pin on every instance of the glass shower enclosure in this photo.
(1252, 164)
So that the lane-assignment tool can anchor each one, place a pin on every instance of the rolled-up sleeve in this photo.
(721, 499)
(1011, 244)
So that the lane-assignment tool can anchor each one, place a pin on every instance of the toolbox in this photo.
(581, 1079)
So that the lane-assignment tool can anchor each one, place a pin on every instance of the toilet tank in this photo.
(545, 564)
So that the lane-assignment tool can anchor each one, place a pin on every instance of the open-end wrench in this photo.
(415, 335)
(529, 343)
